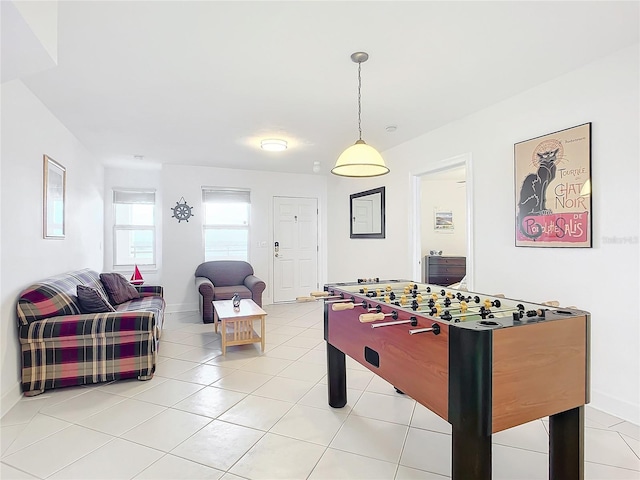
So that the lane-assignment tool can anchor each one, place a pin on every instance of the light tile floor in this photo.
(265, 416)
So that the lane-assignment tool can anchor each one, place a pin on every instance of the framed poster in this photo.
(54, 184)
(553, 189)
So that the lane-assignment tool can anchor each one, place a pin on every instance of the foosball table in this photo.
(483, 363)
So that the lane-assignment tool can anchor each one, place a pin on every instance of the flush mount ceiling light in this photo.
(273, 145)
(360, 160)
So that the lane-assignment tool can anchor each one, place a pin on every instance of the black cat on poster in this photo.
(533, 193)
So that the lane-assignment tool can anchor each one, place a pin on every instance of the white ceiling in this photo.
(201, 83)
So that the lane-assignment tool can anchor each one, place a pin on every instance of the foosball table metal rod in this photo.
(316, 298)
(413, 321)
(485, 312)
(435, 328)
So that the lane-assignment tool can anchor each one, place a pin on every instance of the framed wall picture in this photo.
(553, 189)
(443, 221)
(54, 185)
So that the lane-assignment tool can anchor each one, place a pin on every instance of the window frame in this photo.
(134, 227)
(240, 193)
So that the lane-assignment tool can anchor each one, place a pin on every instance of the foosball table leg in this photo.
(470, 403)
(470, 455)
(336, 377)
(566, 445)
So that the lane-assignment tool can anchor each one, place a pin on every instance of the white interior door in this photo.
(295, 257)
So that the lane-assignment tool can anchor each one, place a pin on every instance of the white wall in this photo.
(353, 258)
(183, 247)
(443, 195)
(117, 177)
(29, 131)
(605, 93)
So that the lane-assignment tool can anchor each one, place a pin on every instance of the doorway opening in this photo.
(443, 233)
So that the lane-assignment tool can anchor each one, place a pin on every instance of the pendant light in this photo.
(360, 159)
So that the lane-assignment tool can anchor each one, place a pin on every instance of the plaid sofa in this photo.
(60, 346)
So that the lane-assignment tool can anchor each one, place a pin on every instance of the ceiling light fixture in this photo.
(273, 145)
(360, 159)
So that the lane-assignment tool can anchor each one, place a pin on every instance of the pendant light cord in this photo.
(359, 102)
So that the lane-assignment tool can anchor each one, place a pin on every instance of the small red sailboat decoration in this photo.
(136, 278)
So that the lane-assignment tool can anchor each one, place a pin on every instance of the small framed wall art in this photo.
(54, 195)
(553, 189)
(443, 221)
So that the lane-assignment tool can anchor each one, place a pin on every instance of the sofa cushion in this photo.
(92, 300)
(89, 326)
(226, 293)
(118, 288)
(145, 304)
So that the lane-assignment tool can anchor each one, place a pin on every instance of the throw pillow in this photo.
(118, 288)
(92, 301)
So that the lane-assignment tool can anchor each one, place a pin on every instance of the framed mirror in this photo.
(55, 176)
(367, 214)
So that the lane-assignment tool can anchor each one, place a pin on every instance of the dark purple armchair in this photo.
(220, 279)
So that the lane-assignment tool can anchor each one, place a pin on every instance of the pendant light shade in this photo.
(360, 160)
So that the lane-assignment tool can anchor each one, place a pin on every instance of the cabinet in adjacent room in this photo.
(441, 270)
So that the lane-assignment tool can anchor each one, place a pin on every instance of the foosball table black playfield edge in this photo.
(481, 377)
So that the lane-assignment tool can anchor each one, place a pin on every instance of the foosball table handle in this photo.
(551, 303)
(371, 317)
(306, 299)
(336, 307)
(319, 294)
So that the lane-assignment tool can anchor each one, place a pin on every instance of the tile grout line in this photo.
(404, 441)
(628, 445)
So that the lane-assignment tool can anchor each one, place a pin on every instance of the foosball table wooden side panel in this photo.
(539, 370)
(418, 365)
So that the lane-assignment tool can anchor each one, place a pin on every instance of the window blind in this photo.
(212, 195)
(134, 196)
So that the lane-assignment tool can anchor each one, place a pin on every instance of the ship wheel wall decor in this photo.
(182, 211)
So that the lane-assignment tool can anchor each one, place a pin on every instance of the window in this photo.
(226, 224)
(134, 231)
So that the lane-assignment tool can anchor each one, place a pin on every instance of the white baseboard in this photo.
(9, 399)
(616, 407)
